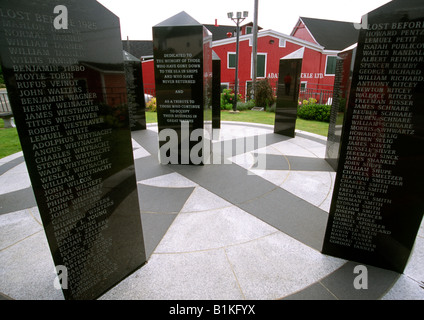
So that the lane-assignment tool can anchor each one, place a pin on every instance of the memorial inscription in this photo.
(76, 147)
(377, 203)
(183, 76)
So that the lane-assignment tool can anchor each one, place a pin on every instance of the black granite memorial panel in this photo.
(64, 73)
(378, 202)
(341, 89)
(183, 76)
(287, 96)
(135, 92)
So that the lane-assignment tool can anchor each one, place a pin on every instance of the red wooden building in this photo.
(321, 39)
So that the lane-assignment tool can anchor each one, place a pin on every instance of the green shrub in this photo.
(317, 112)
(264, 96)
(227, 98)
(241, 106)
(151, 105)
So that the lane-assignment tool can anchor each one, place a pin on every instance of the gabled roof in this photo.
(180, 19)
(220, 32)
(271, 33)
(332, 35)
(138, 48)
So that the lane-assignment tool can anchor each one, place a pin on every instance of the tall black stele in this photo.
(66, 83)
(182, 49)
(378, 201)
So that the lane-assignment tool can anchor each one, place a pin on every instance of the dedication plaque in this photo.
(378, 202)
(65, 78)
(288, 94)
(182, 50)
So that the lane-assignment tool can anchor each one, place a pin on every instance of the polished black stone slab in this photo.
(183, 76)
(135, 92)
(287, 95)
(342, 82)
(377, 204)
(68, 95)
(216, 91)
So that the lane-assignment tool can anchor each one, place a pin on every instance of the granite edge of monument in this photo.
(384, 125)
(78, 157)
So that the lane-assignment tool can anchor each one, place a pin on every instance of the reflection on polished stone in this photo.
(288, 93)
(377, 204)
(67, 89)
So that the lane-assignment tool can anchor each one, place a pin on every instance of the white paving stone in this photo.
(15, 179)
(212, 229)
(312, 186)
(203, 275)
(16, 226)
(277, 265)
(171, 180)
(202, 200)
(27, 270)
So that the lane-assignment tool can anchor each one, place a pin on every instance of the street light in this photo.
(239, 18)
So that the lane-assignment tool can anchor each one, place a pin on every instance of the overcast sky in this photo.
(137, 17)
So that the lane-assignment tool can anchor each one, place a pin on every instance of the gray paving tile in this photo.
(17, 200)
(314, 292)
(162, 200)
(230, 182)
(341, 282)
(308, 164)
(155, 227)
(11, 164)
(149, 167)
(290, 214)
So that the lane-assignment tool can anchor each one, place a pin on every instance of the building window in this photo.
(249, 30)
(303, 86)
(261, 65)
(330, 68)
(282, 43)
(231, 60)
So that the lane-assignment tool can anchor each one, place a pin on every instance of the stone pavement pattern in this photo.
(219, 231)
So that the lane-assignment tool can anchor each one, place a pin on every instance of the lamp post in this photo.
(239, 18)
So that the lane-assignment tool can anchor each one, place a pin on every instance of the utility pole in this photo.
(237, 21)
(255, 50)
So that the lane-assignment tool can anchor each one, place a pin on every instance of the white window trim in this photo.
(282, 43)
(228, 60)
(306, 85)
(251, 63)
(225, 84)
(325, 70)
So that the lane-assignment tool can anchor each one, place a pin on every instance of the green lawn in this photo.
(317, 127)
(9, 141)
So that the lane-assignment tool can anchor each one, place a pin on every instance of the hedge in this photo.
(318, 112)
